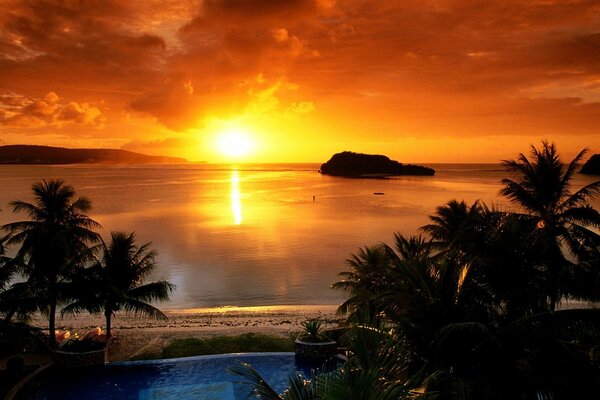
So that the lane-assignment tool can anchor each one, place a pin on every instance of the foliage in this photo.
(114, 283)
(565, 224)
(247, 342)
(18, 337)
(472, 309)
(373, 372)
(312, 331)
(53, 247)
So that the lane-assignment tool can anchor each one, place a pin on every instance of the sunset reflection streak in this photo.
(236, 202)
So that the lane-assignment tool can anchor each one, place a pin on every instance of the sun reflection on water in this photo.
(236, 202)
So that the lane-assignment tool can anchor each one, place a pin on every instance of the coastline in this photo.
(137, 336)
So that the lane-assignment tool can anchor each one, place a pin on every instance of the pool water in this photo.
(197, 378)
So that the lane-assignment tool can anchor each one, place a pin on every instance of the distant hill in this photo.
(592, 166)
(28, 154)
(352, 164)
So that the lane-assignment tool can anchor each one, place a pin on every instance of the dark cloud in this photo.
(216, 14)
(461, 66)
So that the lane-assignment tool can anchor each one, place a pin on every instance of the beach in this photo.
(137, 336)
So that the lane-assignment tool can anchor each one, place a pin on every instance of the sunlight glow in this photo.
(234, 142)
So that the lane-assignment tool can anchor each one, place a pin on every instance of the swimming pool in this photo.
(197, 378)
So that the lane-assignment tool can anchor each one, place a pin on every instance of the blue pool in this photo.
(197, 378)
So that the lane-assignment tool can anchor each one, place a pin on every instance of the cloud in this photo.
(21, 111)
(173, 103)
(261, 13)
(302, 107)
(451, 67)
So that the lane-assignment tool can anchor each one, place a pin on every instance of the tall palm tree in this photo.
(541, 187)
(52, 242)
(116, 282)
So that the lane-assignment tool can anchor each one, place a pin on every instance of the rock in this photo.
(592, 166)
(352, 164)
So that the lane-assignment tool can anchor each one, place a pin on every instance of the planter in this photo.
(309, 351)
(74, 360)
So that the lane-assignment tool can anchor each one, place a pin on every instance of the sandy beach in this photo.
(140, 336)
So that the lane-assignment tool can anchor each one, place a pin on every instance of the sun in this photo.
(235, 143)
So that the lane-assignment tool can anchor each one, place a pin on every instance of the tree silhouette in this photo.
(114, 283)
(563, 220)
(53, 243)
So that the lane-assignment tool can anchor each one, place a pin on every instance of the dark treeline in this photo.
(30, 154)
(470, 309)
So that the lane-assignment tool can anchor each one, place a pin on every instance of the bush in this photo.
(248, 342)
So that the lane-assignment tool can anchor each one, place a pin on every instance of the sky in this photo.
(299, 80)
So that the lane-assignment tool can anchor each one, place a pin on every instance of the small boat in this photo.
(378, 193)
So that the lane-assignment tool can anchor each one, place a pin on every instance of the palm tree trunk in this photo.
(108, 316)
(52, 325)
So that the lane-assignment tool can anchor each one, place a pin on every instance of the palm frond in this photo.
(581, 197)
(570, 172)
(154, 291)
(137, 307)
(260, 389)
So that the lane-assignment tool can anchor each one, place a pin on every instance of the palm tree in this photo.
(409, 287)
(459, 228)
(114, 283)
(7, 269)
(52, 242)
(497, 251)
(541, 187)
(366, 278)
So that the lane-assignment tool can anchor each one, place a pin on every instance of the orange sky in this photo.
(419, 81)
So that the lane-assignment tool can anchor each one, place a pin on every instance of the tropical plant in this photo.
(312, 330)
(374, 371)
(563, 221)
(7, 269)
(502, 264)
(115, 282)
(472, 307)
(411, 288)
(367, 276)
(53, 243)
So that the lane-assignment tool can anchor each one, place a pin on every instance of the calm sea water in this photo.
(253, 235)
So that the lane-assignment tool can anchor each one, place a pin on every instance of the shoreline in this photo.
(138, 336)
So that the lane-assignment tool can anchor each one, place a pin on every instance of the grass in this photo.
(247, 342)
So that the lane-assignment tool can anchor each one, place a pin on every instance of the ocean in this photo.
(256, 235)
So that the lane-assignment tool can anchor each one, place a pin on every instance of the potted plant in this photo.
(83, 351)
(312, 344)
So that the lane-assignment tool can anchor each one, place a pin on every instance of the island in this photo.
(350, 164)
(30, 154)
(592, 166)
